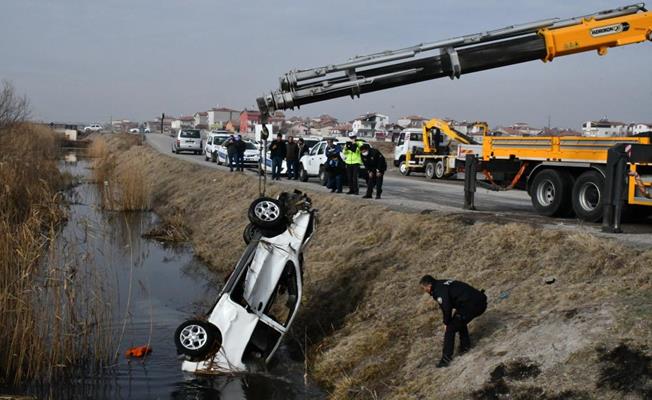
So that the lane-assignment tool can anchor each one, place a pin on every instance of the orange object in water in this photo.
(138, 352)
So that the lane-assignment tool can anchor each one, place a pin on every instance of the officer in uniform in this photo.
(460, 303)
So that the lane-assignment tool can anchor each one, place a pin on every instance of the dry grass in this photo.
(49, 312)
(373, 334)
(122, 189)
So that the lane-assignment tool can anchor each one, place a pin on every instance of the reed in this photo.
(52, 309)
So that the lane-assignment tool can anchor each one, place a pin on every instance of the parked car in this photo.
(93, 128)
(213, 141)
(134, 130)
(187, 140)
(313, 163)
(251, 155)
(262, 295)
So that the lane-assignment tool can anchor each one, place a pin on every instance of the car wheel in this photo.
(588, 196)
(323, 176)
(196, 338)
(551, 192)
(303, 174)
(267, 213)
(403, 168)
(214, 156)
(252, 230)
(206, 157)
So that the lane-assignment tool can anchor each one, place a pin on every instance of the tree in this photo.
(14, 109)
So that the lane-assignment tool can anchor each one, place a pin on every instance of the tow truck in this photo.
(562, 175)
(440, 161)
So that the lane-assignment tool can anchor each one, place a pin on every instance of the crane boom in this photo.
(541, 40)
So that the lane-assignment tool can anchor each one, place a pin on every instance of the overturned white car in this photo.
(262, 295)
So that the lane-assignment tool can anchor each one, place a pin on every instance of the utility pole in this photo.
(162, 118)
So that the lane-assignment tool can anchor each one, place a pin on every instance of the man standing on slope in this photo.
(352, 159)
(467, 302)
(277, 151)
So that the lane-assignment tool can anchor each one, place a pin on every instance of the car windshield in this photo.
(190, 133)
(219, 139)
(251, 146)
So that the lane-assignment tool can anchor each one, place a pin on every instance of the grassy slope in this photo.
(374, 335)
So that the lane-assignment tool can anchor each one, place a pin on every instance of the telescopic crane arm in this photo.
(541, 40)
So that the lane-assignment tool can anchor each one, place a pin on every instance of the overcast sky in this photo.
(87, 60)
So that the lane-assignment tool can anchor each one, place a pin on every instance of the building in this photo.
(248, 119)
(200, 120)
(411, 121)
(638, 128)
(604, 128)
(370, 125)
(519, 129)
(220, 116)
(185, 121)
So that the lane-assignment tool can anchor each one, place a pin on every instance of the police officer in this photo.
(467, 303)
(353, 160)
(375, 164)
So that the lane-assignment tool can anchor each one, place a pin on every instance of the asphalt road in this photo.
(417, 194)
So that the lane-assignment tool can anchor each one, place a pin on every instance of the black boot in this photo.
(443, 363)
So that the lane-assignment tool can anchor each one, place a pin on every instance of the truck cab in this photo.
(408, 139)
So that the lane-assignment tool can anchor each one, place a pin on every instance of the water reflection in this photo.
(153, 288)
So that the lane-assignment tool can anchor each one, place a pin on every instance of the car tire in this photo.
(588, 196)
(267, 213)
(251, 230)
(551, 193)
(403, 168)
(197, 339)
(206, 157)
(214, 156)
(303, 174)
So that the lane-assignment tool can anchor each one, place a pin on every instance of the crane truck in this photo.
(562, 175)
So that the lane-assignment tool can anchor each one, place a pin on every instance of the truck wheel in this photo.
(197, 339)
(403, 168)
(588, 196)
(430, 169)
(551, 192)
(267, 213)
(440, 169)
(303, 174)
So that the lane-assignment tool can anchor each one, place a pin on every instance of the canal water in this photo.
(153, 288)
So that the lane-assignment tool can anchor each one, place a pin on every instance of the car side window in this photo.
(283, 302)
(322, 148)
(401, 139)
(313, 151)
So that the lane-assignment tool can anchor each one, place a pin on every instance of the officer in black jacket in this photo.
(467, 302)
(375, 164)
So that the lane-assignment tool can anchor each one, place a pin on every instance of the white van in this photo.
(408, 139)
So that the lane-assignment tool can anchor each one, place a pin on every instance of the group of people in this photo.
(342, 163)
(291, 152)
(235, 149)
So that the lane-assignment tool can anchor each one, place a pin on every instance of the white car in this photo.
(313, 163)
(134, 130)
(93, 128)
(213, 141)
(251, 154)
(261, 298)
(187, 140)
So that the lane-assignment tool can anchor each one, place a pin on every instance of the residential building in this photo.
(411, 121)
(200, 118)
(604, 128)
(248, 119)
(370, 124)
(186, 121)
(220, 116)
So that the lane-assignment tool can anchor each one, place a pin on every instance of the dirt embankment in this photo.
(373, 334)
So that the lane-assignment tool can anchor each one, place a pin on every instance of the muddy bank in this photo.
(372, 334)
